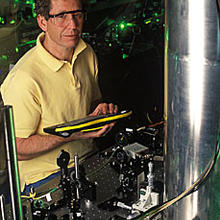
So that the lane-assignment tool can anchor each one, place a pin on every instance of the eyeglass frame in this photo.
(68, 12)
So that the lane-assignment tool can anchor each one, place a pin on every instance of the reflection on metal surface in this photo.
(196, 59)
(2, 206)
(192, 106)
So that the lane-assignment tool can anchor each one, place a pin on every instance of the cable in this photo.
(195, 186)
(34, 197)
(156, 124)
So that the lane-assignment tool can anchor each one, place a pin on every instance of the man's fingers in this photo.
(115, 109)
(93, 134)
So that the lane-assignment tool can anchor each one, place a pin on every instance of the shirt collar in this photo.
(52, 62)
(79, 48)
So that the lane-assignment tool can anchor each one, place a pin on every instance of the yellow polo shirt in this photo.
(45, 91)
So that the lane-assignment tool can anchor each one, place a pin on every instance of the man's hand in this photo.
(104, 109)
(101, 109)
(92, 134)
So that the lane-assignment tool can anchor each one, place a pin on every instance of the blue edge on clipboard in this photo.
(90, 123)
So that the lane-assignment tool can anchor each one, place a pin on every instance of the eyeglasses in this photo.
(62, 18)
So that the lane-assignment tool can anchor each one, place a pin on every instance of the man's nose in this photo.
(72, 21)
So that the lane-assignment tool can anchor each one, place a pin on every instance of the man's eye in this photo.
(61, 16)
(78, 15)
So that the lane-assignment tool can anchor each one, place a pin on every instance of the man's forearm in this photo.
(35, 145)
(28, 148)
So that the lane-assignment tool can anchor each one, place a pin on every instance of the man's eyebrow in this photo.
(66, 12)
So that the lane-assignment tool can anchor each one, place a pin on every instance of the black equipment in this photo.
(87, 124)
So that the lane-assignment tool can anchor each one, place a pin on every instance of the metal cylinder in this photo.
(192, 106)
(8, 134)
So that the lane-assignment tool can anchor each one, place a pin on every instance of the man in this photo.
(53, 83)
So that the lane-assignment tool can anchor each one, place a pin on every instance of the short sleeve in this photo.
(20, 91)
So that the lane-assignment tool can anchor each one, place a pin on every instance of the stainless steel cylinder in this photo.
(192, 106)
(7, 136)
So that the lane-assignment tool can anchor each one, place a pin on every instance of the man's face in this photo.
(64, 34)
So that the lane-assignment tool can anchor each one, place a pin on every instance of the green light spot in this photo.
(110, 45)
(4, 57)
(148, 22)
(122, 26)
(124, 56)
(157, 20)
(130, 25)
(27, 43)
(12, 22)
(110, 22)
(2, 20)
(16, 49)
(155, 14)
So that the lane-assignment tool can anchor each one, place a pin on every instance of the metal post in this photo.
(11, 156)
(2, 205)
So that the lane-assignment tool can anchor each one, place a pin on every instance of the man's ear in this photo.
(42, 22)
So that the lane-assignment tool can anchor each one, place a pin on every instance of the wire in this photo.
(33, 195)
(150, 126)
(195, 186)
(156, 124)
